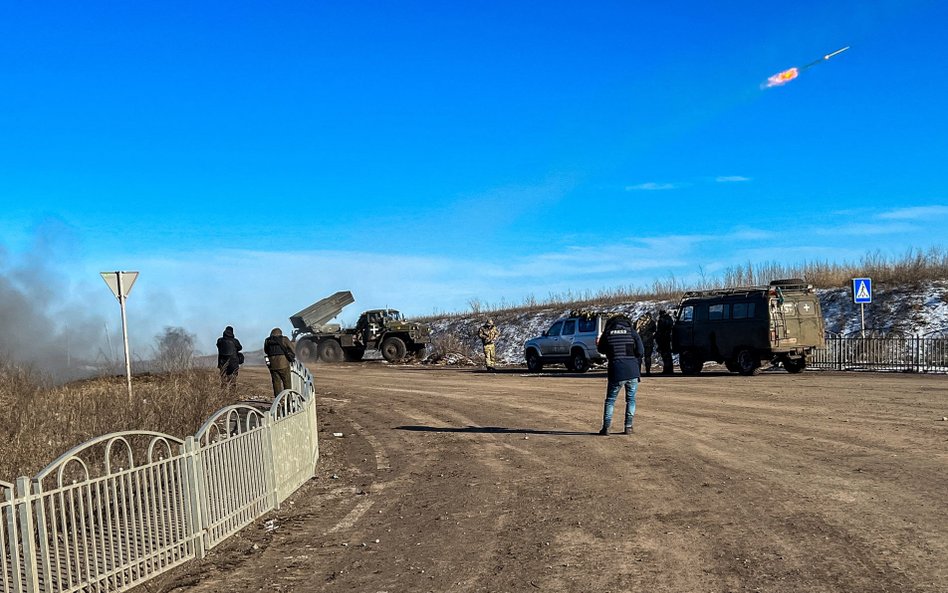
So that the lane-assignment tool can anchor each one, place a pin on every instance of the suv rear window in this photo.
(587, 325)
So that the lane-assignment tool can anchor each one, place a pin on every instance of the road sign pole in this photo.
(128, 360)
(116, 282)
(862, 312)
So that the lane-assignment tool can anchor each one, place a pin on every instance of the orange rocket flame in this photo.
(782, 77)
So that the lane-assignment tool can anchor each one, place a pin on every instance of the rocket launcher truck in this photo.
(385, 330)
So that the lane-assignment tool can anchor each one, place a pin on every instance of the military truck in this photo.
(384, 330)
(780, 323)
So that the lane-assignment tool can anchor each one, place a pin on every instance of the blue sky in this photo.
(249, 158)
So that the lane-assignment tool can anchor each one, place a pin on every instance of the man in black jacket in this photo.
(621, 344)
(229, 358)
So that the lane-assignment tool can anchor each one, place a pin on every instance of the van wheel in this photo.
(534, 364)
(748, 363)
(689, 363)
(330, 351)
(578, 362)
(393, 349)
(794, 365)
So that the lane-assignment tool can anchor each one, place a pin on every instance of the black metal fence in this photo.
(880, 352)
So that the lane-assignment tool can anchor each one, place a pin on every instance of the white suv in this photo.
(570, 341)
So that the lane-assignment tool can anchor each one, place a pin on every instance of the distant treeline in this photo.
(914, 267)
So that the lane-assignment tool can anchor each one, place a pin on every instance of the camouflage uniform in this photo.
(279, 353)
(488, 335)
(645, 326)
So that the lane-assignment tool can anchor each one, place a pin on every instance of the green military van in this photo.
(741, 327)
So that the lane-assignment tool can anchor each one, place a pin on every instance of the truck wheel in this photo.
(420, 354)
(534, 364)
(794, 365)
(393, 349)
(689, 363)
(330, 351)
(748, 363)
(579, 362)
(306, 351)
(354, 354)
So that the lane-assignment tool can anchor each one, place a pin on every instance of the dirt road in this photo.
(458, 480)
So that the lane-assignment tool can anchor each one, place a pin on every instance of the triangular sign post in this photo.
(120, 283)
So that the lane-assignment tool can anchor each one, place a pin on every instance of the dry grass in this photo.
(39, 421)
(913, 268)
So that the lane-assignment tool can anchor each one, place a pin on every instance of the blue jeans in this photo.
(612, 392)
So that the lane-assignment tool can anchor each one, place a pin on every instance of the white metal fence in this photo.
(122, 508)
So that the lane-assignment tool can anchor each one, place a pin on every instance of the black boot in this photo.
(604, 431)
(628, 430)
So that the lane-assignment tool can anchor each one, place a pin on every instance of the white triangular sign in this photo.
(862, 294)
(112, 280)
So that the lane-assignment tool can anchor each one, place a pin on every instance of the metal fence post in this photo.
(918, 353)
(269, 461)
(24, 504)
(193, 496)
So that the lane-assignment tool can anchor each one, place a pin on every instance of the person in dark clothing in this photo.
(663, 339)
(229, 358)
(279, 353)
(621, 344)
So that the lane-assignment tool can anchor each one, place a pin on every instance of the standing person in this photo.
(279, 353)
(621, 344)
(663, 338)
(645, 326)
(488, 335)
(229, 358)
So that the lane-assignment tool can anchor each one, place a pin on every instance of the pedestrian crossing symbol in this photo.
(862, 290)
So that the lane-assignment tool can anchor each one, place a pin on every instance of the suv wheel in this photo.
(748, 363)
(534, 364)
(732, 366)
(578, 362)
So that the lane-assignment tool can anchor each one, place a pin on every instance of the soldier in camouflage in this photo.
(488, 335)
(646, 326)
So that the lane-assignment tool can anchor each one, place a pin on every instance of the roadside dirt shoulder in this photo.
(458, 480)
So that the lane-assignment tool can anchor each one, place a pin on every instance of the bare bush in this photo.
(447, 345)
(174, 350)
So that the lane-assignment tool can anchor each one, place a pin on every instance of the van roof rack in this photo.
(783, 285)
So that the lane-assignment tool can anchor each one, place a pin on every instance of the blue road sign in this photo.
(862, 290)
